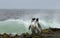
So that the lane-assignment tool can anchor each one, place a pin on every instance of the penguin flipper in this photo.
(29, 27)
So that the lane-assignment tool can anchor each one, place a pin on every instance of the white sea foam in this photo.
(21, 26)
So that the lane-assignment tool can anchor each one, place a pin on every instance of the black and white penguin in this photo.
(35, 26)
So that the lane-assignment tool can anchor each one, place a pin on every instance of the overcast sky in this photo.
(29, 4)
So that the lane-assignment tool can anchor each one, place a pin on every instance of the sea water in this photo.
(18, 21)
(15, 26)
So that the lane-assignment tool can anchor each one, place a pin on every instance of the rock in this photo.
(17, 36)
(36, 37)
(1, 36)
(6, 35)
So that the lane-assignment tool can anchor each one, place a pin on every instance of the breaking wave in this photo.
(17, 26)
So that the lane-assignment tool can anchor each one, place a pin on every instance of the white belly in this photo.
(35, 27)
(33, 24)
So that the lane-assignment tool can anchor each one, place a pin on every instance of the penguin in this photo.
(35, 26)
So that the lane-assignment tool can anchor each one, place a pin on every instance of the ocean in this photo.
(18, 20)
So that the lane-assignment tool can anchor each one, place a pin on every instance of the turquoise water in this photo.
(18, 26)
(19, 19)
(12, 26)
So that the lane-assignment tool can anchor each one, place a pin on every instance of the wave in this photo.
(20, 26)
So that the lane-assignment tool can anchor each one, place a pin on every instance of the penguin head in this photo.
(35, 19)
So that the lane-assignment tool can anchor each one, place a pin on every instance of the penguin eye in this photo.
(33, 19)
(37, 19)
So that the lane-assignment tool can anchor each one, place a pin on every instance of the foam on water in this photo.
(20, 26)
(12, 26)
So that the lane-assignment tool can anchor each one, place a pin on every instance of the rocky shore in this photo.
(47, 33)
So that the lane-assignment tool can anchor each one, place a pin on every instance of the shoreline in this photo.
(47, 33)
